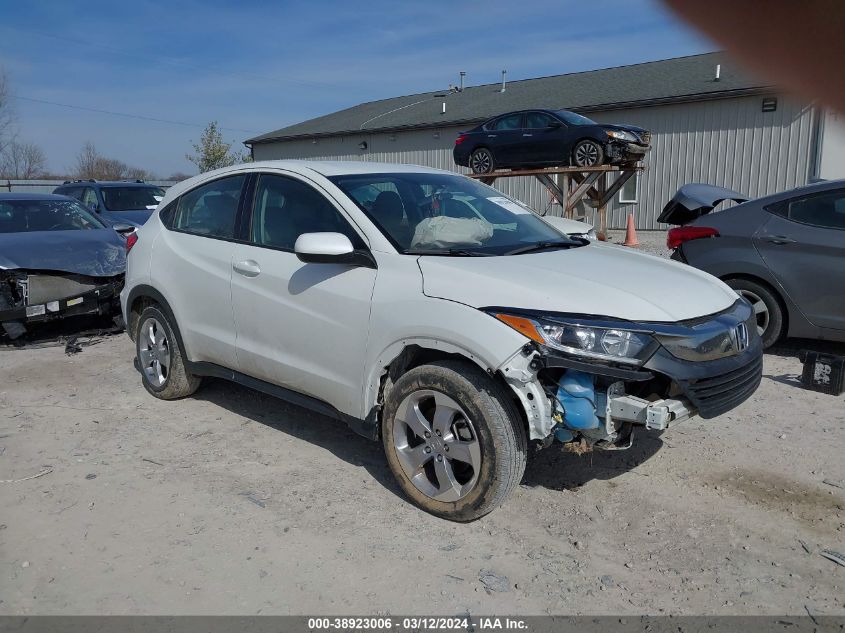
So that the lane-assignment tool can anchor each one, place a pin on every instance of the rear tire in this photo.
(159, 358)
(766, 306)
(454, 440)
(481, 161)
(587, 153)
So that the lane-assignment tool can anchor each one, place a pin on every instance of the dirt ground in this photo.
(232, 502)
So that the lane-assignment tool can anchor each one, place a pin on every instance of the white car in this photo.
(431, 311)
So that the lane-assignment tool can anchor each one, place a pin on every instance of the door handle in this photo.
(492, 135)
(528, 135)
(779, 239)
(247, 268)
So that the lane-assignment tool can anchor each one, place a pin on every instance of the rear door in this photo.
(192, 261)
(803, 244)
(301, 326)
(505, 139)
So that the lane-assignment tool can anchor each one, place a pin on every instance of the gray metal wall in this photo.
(727, 142)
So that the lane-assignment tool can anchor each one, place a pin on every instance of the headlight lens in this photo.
(591, 235)
(620, 135)
(600, 343)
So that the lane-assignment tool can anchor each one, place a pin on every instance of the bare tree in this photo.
(86, 161)
(23, 161)
(91, 164)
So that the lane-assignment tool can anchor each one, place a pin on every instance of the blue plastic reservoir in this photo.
(576, 393)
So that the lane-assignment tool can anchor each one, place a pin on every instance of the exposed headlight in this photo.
(590, 342)
(591, 235)
(621, 136)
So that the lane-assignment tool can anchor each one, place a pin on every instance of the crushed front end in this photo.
(31, 296)
(590, 382)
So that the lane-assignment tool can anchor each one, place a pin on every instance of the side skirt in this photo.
(367, 428)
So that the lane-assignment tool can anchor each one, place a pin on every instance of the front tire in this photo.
(587, 153)
(481, 161)
(767, 309)
(159, 358)
(454, 440)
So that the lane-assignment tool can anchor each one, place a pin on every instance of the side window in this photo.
(89, 198)
(73, 192)
(210, 209)
(537, 120)
(168, 214)
(826, 210)
(285, 208)
(511, 122)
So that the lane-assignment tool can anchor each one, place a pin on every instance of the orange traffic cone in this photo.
(631, 233)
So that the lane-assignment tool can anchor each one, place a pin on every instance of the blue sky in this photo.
(257, 66)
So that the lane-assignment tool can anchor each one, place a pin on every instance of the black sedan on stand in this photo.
(546, 138)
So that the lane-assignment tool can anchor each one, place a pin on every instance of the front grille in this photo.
(715, 395)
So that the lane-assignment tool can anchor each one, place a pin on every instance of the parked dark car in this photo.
(57, 259)
(544, 138)
(119, 200)
(785, 253)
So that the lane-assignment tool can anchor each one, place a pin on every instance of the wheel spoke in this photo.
(146, 357)
(443, 416)
(759, 307)
(467, 452)
(447, 486)
(415, 419)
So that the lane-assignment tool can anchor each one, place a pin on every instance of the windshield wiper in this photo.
(540, 246)
(455, 252)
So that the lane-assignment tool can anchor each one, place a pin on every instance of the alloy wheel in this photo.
(154, 352)
(437, 445)
(586, 155)
(481, 162)
(761, 310)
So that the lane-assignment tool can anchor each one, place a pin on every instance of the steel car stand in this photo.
(579, 183)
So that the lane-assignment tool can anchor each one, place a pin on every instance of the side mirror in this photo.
(123, 228)
(330, 248)
(555, 124)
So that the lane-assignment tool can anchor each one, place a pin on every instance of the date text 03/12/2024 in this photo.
(417, 623)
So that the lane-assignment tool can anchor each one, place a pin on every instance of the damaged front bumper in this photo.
(34, 296)
(573, 400)
(624, 152)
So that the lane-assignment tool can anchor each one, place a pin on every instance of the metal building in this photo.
(710, 122)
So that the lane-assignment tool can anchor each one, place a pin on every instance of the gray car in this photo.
(785, 253)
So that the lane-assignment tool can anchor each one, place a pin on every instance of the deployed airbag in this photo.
(443, 232)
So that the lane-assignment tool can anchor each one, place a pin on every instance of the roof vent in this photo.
(718, 72)
(462, 74)
(504, 80)
(443, 111)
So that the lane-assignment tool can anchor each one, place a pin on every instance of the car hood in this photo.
(96, 253)
(135, 217)
(622, 128)
(694, 200)
(596, 279)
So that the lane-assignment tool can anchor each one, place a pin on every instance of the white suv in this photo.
(431, 311)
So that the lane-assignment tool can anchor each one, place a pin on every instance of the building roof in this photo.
(649, 83)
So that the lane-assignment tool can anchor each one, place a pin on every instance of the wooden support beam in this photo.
(582, 189)
(620, 181)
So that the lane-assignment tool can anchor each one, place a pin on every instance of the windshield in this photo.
(574, 119)
(23, 216)
(441, 214)
(131, 198)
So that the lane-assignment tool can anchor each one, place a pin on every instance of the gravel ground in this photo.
(652, 242)
(232, 502)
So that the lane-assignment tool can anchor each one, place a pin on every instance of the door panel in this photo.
(807, 259)
(193, 259)
(506, 139)
(545, 144)
(301, 326)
